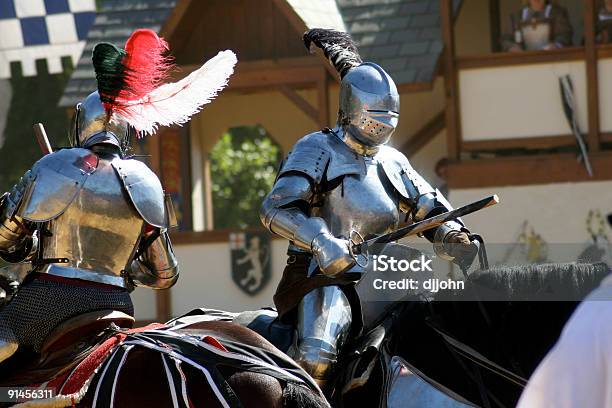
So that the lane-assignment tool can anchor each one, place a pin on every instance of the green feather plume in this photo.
(110, 70)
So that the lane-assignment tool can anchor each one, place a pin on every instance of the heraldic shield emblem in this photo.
(250, 256)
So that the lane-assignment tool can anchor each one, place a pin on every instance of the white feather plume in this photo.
(175, 103)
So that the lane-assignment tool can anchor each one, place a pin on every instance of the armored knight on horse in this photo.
(91, 220)
(342, 183)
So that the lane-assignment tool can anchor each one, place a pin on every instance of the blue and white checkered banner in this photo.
(31, 30)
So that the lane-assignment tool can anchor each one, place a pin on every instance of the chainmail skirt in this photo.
(41, 304)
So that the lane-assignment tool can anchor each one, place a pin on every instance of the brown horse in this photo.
(143, 378)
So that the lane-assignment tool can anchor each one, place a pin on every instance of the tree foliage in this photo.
(243, 168)
(34, 100)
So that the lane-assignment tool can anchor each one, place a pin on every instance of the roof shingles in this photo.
(403, 36)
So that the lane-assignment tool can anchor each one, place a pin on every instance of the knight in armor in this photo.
(92, 221)
(339, 183)
(539, 25)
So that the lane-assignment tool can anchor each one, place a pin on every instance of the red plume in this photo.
(146, 66)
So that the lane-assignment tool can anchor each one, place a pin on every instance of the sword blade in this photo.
(428, 223)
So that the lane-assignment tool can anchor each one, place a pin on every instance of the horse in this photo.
(485, 350)
(144, 370)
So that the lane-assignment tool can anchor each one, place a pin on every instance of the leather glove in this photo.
(332, 254)
(460, 247)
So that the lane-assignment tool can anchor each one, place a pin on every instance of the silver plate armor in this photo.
(92, 125)
(369, 194)
(54, 183)
(145, 190)
(324, 321)
(341, 184)
(407, 389)
(325, 192)
(91, 210)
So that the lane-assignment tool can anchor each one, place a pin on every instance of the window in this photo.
(243, 168)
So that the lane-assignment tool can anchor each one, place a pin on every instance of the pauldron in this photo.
(145, 191)
(49, 188)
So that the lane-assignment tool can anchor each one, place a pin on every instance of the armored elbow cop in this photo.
(293, 224)
(157, 266)
(16, 242)
(313, 235)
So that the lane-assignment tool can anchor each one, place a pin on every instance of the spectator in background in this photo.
(539, 25)
(603, 29)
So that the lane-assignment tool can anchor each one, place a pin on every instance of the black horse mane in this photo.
(552, 281)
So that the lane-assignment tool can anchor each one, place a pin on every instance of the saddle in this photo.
(65, 347)
(263, 321)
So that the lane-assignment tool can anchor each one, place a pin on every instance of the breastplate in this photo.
(364, 203)
(536, 35)
(97, 233)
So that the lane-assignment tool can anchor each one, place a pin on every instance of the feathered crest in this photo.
(131, 82)
(337, 46)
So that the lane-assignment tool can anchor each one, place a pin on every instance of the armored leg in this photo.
(324, 321)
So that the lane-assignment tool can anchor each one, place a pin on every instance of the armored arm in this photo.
(284, 212)
(17, 241)
(425, 202)
(155, 265)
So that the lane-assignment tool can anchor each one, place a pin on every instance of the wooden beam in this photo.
(323, 99)
(174, 19)
(495, 25)
(506, 59)
(301, 27)
(209, 223)
(604, 50)
(416, 86)
(540, 142)
(591, 75)
(163, 305)
(162, 297)
(184, 18)
(527, 170)
(424, 135)
(154, 148)
(273, 77)
(451, 82)
(186, 180)
(300, 102)
(606, 137)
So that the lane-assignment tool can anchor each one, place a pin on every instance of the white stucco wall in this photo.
(206, 279)
(556, 211)
(520, 101)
